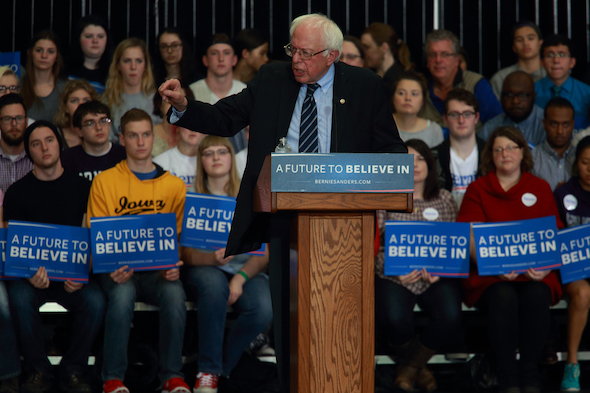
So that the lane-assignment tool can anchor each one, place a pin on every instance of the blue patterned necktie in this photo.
(308, 133)
(555, 90)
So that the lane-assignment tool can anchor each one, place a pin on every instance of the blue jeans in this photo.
(9, 356)
(209, 286)
(87, 305)
(152, 288)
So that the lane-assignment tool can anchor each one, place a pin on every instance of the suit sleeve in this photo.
(385, 136)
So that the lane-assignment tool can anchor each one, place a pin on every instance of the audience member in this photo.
(252, 51)
(558, 61)
(385, 53)
(181, 160)
(573, 203)
(8, 81)
(92, 122)
(10, 367)
(526, 43)
(75, 92)
(42, 84)
(516, 305)
(459, 156)
(174, 58)
(520, 111)
(216, 282)
(396, 296)
(352, 52)
(554, 158)
(130, 83)
(441, 50)
(138, 180)
(409, 92)
(50, 195)
(166, 134)
(219, 83)
(92, 51)
(14, 163)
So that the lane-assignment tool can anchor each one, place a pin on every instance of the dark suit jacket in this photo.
(361, 123)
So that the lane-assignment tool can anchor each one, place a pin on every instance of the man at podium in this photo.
(319, 105)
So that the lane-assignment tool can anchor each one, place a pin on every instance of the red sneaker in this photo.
(206, 383)
(176, 385)
(114, 386)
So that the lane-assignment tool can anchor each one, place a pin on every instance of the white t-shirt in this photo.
(463, 172)
(179, 165)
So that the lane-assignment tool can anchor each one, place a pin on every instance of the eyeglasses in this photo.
(92, 123)
(172, 47)
(9, 119)
(560, 55)
(211, 153)
(11, 89)
(350, 56)
(290, 50)
(466, 115)
(520, 96)
(443, 55)
(507, 149)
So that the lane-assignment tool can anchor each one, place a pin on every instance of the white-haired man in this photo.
(353, 116)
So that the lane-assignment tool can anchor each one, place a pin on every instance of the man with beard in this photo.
(518, 102)
(14, 164)
(554, 158)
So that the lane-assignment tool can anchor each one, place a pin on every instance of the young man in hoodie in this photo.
(138, 186)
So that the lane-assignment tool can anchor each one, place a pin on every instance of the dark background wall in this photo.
(483, 26)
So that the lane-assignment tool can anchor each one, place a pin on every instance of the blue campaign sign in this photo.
(142, 242)
(3, 250)
(574, 246)
(342, 172)
(207, 221)
(63, 251)
(12, 61)
(516, 246)
(440, 247)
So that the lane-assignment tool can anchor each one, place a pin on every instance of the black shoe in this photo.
(9, 386)
(75, 384)
(37, 382)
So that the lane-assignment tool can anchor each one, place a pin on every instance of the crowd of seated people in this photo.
(478, 146)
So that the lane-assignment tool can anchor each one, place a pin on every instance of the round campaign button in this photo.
(529, 199)
(430, 214)
(570, 202)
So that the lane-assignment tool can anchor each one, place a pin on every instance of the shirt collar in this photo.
(327, 80)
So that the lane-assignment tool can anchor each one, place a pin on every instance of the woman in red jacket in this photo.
(517, 305)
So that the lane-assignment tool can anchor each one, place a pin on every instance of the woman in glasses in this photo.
(75, 92)
(517, 304)
(352, 52)
(8, 81)
(173, 58)
(216, 282)
(409, 94)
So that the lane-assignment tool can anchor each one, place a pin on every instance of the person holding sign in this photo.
(138, 186)
(49, 194)
(517, 305)
(396, 296)
(216, 281)
(573, 203)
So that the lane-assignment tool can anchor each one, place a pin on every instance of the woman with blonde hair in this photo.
(8, 81)
(130, 83)
(75, 92)
(42, 83)
(216, 282)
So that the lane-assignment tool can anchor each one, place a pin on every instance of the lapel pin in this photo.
(342, 100)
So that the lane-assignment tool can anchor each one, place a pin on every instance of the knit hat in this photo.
(33, 127)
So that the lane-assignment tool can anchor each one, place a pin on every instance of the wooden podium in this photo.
(331, 284)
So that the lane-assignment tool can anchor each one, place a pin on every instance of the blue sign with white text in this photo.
(516, 246)
(3, 250)
(342, 172)
(63, 250)
(442, 248)
(12, 61)
(575, 253)
(207, 221)
(142, 242)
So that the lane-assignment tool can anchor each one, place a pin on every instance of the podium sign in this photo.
(342, 172)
